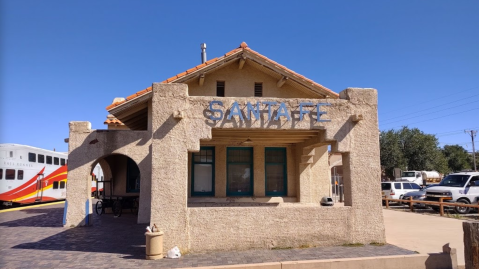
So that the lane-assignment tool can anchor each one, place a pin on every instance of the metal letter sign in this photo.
(282, 111)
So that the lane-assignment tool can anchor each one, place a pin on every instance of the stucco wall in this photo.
(85, 147)
(359, 139)
(240, 83)
(236, 228)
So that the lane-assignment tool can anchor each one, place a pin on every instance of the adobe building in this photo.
(233, 154)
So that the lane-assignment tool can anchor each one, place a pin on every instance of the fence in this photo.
(441, 203)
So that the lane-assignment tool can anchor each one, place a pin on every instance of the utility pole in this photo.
(473, 134)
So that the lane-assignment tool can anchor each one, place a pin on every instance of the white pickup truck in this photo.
(462, 187)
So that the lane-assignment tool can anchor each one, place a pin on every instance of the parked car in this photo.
(417, 195)
(462, 187)
(396, 189)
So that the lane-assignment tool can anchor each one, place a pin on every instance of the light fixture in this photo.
(248, 141)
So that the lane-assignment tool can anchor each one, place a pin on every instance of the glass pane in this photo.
(62, 161)
(49, 159)
(203, 158)
(56, 161)
(62, 184)
(55, 185)
(203, 181)
(397, 186)
(239, 178)
(32, 157)
(10, 174)
(1, 173)
(275, 178)
(20, 174)
(41, 158)
(407, 186)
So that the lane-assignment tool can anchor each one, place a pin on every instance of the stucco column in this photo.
(78, 203)
(174, 134)
(259, 173)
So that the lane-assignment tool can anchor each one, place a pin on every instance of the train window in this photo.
(1, 173)
(62, 161)
(55, 185)
(11, 154)
(32, 157)
(49, 159)
(56, 161)
(20, 174)
(41, 158)
(62, 184)
(9, 173)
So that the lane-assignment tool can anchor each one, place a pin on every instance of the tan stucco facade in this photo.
(180, 123)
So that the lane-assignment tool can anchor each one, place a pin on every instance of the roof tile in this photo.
(181, 74)
(211, 61)
(191, 70)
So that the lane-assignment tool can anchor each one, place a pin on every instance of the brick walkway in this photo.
(34, 237)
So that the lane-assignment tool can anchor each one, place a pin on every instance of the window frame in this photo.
(219, 86)
(20, 174)
(63, 185)
(51, 160)
(251, 163)
(56, 185)
(56, 161)
(129, 163)
(32, 157)
(62, 161)
(193, 162)
(42, 158)
(6, 175)
(285, 172)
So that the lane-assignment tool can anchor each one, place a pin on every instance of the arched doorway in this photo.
(119, 191)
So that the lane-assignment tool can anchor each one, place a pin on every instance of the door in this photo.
(39, 188)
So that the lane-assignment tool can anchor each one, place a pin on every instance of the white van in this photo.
(462, 187)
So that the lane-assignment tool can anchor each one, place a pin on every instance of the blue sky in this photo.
(65, 61)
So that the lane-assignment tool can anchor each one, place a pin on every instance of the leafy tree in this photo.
(411, 149)
(457, 157)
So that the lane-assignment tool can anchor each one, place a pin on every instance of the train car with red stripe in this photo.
(31, 175)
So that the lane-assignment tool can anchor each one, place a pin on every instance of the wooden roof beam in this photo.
(282, 81)
(242, 61)
(201, 79)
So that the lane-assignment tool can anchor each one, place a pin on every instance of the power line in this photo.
(437, 117)
(435, 107)
(454, 131)
(435, 99)
(428, 113)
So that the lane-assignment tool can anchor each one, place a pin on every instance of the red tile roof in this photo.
(242, 47)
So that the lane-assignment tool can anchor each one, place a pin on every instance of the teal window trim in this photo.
(129, 175)
(230, 193)
(285, 174)
(197, 193)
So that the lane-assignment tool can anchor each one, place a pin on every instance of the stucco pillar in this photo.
(259, 173)
(305, 174)
(358, 139)
(174, 133)
(320, 183)
(220, 171)
(78, 203)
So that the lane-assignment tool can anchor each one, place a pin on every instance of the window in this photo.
(203, 171)
(49, 159)
(55, 185)
(56, 161)
(407, 186)
(20, 174)
(10, 174)
(220, 88)
(1, 173)
(41, 158)
(62, 184)
(239, 171)
(258, 89)
(11, 154)
(397, 186)
(132, 176)
(32, 157)
(385, 186)
(62, 161)
(275, 171)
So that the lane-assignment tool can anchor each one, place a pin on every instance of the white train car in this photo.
(30, 175)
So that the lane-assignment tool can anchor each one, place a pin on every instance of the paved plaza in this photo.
(35, 238)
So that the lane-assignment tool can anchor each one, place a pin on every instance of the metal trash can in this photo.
(154, 245)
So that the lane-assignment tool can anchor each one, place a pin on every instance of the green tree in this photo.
(457, 157)
(411, 149)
